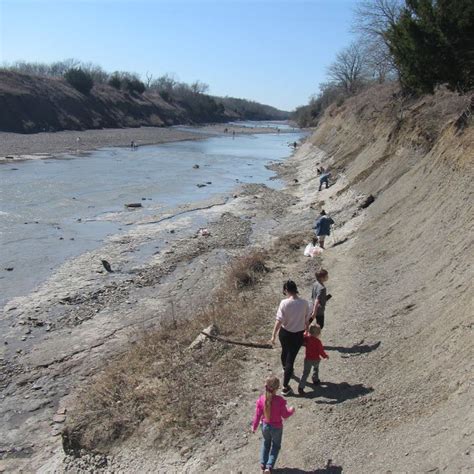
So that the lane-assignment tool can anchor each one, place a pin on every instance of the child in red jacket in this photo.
(314, 352)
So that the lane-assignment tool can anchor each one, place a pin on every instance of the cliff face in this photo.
(410, 268)
(31, 104)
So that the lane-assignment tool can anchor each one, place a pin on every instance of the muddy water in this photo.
(52, 210)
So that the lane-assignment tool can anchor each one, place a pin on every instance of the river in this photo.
(55, 209)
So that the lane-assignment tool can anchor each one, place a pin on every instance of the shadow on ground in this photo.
(355, 350)
(335, 392)
(329, 469)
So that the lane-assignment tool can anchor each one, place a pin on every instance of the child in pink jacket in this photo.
(271, 409)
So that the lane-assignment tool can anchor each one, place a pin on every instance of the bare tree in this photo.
(148, 79)
(199, 87)
(348, 68)
(372, 18)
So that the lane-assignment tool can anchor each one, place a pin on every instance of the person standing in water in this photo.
(291, 321)
(322, 227)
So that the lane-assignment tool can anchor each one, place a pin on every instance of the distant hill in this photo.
(30, 104)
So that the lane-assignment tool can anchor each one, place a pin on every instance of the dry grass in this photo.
(160, 379)
(245, 271)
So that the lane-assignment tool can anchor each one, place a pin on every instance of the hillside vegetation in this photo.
(33, 103)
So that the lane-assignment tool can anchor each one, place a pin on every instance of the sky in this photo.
(272, 51)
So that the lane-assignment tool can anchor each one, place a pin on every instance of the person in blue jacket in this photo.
(322, 227)
(324, 179)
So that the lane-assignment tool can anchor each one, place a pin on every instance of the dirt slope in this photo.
(398, 392)
(31, 104)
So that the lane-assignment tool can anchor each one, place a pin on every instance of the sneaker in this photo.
(286, 391)
(301, 392)
(316, 381)
(268, 470)
(262, 467)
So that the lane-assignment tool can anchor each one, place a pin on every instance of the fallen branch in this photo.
(238, 343)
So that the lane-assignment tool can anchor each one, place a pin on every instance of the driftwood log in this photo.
(238, 343)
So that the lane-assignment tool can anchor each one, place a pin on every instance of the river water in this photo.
(52, 210)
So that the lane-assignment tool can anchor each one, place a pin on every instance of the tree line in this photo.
(193, 97)
(421, 44)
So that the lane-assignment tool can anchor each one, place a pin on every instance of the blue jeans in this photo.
(271, 444)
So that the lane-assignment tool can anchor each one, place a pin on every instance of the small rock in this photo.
(196, 167)
(9, 269)
(59, 418)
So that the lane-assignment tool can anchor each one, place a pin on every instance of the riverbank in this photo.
(397, 386)
(16, 146)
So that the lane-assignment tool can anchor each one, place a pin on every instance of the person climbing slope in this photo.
(270, 409)
(322, 227)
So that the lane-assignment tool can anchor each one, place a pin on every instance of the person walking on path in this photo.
(319, 297)
(313, 354)
(324, 179)
(291, 321)
(270, 409)
(322, 227)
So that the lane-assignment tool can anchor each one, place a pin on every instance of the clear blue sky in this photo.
(272, 51)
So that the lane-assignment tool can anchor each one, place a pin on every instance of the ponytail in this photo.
(271, 386)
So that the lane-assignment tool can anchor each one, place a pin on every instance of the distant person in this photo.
(319, 297)
(233, 134)
(291, 320)
(226, 130)
(270, 409)
(295, 145)
(132, 144)
(322, 227)
(314, 351)
(324, 179)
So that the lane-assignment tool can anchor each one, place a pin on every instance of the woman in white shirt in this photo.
(291, 321)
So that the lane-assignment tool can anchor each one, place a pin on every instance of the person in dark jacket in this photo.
(322, 227)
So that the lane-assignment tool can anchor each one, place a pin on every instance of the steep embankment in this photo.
(35, 104)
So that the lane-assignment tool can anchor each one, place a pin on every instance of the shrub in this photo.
(115, 82)
(133, 86)
(80, 80)
(245, 270)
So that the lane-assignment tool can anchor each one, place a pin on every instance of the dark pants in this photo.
(320, 320)
(290, 345)
(324, 180)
